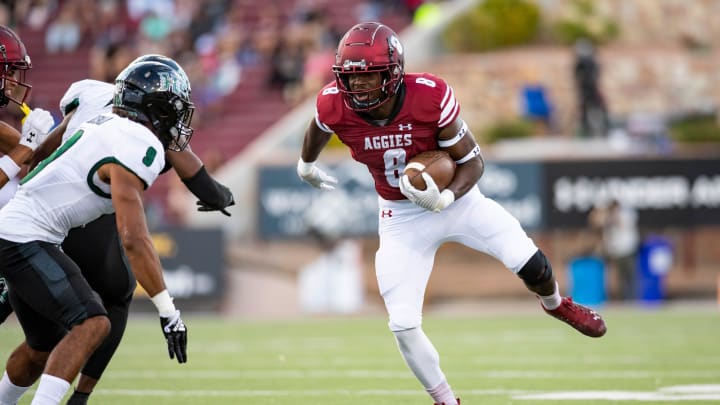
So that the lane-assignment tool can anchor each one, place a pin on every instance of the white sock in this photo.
(442, 394)
(50, 391)
(10, 393)
(421, 356)
(553, 301)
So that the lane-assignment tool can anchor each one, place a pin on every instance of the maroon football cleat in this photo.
(584, 319)
(458, 401)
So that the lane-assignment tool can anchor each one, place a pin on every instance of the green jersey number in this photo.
(149, 156)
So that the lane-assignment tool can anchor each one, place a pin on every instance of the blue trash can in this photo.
(587, 280)
(654, 262)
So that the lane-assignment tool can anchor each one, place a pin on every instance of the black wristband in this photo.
(78, 398)
(209, 191)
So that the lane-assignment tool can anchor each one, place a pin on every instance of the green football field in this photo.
(669, 355)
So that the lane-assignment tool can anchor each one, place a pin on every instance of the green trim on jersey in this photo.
(71, 106)
(95, 189)
(59, 151)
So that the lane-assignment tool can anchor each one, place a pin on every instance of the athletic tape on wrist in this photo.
(9, 166)
(164, 303)
(448, 197)
(29, 143)
(304, 168)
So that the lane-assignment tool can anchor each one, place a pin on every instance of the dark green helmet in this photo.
(155, 94)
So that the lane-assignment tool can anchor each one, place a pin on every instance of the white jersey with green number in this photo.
(88, 98)
(64, 190)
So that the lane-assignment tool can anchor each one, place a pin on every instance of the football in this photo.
(438, 164)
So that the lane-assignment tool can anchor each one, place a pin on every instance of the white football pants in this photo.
(410, 236)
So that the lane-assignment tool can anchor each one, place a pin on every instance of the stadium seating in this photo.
(243, 115)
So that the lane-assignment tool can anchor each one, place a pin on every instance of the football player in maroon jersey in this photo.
(386, 116)
(17, 147)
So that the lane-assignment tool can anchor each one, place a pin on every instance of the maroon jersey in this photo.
(429, 105)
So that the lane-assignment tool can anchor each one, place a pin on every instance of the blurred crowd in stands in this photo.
(212, 39)
(226, 46)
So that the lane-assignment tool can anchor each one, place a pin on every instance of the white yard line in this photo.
(285, 393)
(665, 394)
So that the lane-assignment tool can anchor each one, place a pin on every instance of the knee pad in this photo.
(404, 318)
(537, 270)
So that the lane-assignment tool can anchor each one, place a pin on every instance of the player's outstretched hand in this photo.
(35, 128)
(316, 177)
(431, 198)
(175, 333)
(204, 207)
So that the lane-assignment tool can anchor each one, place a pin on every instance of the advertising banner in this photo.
(518, 188)
(664, 192)
(290, 208)
(193, 262)
(541, 195)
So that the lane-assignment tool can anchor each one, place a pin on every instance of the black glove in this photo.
(205, 207)
(175, 333)
(212, 195)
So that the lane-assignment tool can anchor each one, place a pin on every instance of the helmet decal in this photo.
(169, 82)
(396, 44)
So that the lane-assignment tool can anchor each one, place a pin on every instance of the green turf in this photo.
(490, 359)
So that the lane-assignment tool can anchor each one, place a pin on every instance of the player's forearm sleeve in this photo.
(209, 191)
